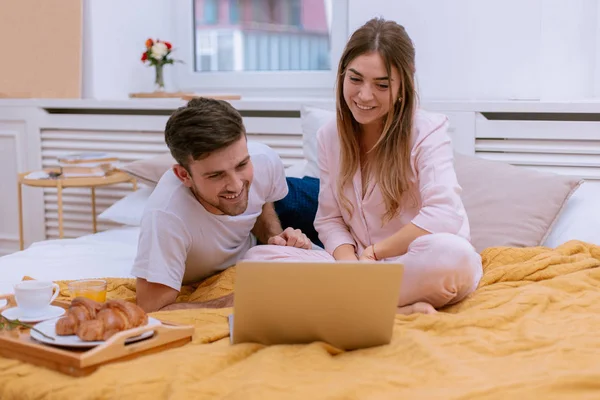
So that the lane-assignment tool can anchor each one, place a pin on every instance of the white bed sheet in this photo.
(105, 254)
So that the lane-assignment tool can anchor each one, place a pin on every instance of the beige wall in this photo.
(41, 48)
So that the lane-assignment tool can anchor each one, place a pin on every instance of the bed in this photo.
(529, 330)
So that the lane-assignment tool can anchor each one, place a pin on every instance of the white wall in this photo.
(114, 33)
(568, 67)
(466, 49)
(501, 49)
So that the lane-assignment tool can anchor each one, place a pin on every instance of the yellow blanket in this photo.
(531, 330)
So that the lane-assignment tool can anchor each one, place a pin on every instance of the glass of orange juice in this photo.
(93, 289)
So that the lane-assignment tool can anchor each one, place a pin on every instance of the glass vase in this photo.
(159, 81)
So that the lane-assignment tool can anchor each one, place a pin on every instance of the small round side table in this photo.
(60, 183)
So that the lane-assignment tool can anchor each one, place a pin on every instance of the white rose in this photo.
(159, 50)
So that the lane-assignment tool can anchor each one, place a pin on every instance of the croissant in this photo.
(114, 316)
(80, 310)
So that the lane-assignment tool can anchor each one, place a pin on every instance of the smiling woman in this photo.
(388, 189)
(376, 90)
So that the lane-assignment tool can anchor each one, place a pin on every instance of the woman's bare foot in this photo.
(420, 307)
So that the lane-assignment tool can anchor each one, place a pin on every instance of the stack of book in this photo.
(79, 165)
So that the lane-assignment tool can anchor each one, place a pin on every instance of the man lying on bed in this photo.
(208, 210)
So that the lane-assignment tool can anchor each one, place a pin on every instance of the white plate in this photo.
(49, 328)
(16, 313)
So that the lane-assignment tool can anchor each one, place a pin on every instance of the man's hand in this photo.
(368, 255)
(291, 237)
(157, 297)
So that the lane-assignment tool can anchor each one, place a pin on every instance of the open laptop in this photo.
(349, 305)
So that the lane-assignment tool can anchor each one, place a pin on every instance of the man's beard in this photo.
(228, 208)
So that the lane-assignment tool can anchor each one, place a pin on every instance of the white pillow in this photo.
(296, 170)
(311, 120)
(579, 219)
(128, 210)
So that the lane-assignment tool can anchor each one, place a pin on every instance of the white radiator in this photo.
(570, 146)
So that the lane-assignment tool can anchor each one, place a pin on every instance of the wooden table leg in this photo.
(60, 208)
(19, 191)
(94, 209)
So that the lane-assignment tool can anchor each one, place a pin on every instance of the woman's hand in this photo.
(368, 254)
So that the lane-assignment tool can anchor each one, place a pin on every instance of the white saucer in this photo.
(49, 328)
(16, 313)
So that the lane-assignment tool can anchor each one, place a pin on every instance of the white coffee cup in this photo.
(33, 297)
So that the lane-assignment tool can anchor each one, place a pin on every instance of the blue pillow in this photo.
(299, 207)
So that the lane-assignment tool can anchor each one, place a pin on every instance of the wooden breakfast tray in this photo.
(17, 344)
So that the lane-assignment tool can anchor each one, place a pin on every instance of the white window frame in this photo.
(255, 83)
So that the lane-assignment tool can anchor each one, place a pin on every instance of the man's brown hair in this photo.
(201, 127)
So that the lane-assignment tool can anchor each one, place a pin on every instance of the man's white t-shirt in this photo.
(181, 242)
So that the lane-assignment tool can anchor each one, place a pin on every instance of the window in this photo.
(271, 39)
(261, 46)
(294, 12)
(234, 11)
(211, 11)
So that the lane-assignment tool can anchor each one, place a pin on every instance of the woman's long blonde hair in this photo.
(391, 153)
